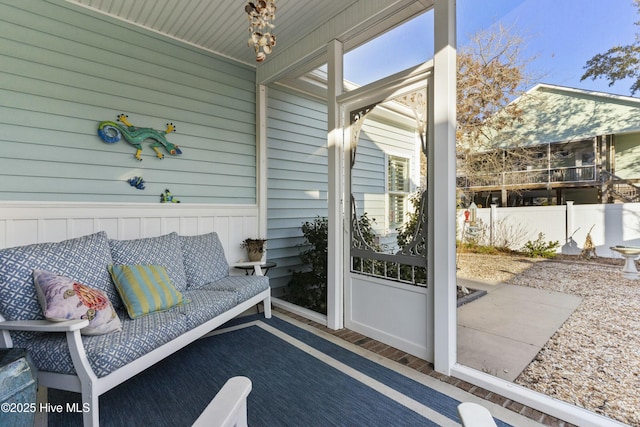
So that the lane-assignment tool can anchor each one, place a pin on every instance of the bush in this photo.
(539, 248)
(481, 249)
(309, 288)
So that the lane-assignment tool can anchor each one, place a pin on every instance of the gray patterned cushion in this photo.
(163, 250)
(244, 286)
(204, 259)
(205, 305)
(84, 258)
(109, 352)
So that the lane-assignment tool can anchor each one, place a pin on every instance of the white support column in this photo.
(261, 159)
(335, 283)
(442, 189)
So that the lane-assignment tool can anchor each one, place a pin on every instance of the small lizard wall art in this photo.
(112, 132)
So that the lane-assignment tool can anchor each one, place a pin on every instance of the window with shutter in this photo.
(397, 190)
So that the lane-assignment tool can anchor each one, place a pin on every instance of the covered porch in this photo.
(264, 148)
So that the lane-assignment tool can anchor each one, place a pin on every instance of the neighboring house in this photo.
(588, 146)
(386, 171)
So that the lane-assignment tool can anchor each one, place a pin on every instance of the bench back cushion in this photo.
(204, 259)
(162, 250)
(84, 259)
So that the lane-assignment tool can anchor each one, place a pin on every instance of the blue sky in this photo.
(561, 34)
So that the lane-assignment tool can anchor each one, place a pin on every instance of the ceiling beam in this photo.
(358, 23)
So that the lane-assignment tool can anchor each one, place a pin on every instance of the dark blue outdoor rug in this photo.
(299, 379)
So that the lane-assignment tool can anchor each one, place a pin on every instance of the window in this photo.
(397, 189)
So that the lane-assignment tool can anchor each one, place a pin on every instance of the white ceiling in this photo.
(219, 26)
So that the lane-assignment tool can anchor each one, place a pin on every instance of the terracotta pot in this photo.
(254, 254)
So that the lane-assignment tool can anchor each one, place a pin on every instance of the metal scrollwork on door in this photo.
(357, 120)
(358, 240)
(382, 250)
(417, 101)
(418, 244)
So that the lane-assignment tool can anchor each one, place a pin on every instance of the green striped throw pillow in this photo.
(145, 289)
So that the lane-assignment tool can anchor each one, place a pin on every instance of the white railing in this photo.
(573, 174)
(407, 269)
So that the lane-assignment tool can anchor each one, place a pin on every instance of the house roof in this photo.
(555, 114)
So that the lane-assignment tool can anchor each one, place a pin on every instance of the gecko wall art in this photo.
(112, 132)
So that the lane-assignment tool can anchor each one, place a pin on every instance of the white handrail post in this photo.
(492, 223)
(569, 222)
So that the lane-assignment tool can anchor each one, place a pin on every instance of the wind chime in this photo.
(261, 14)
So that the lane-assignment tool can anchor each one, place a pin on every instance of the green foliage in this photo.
(617, 63)
(309, 288)
(366, 229)
(408, 229)
(405, 237)
(316, 234)
(369, 236)
(482, 249)
(539, 248)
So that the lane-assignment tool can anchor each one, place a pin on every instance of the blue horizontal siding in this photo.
(64, 69)
(297, 176)
(298, 172)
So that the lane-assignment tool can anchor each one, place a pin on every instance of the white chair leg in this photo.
(229, 407)
(474, 415)
(267, 307)
(90, 408)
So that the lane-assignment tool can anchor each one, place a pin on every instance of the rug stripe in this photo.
(299, 378)
(404, 400)
(290, 388)
(428, 396)
(421, 390)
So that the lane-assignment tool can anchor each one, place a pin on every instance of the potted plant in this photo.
(255, 248)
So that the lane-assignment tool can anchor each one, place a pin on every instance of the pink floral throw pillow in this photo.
(62, 298)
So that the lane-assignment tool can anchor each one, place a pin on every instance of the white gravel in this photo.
(593, 360)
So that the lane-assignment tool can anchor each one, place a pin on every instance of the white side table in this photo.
(257, 268)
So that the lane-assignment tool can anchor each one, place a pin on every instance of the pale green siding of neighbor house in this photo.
(555, 114)
(627, 163)
(64, 69)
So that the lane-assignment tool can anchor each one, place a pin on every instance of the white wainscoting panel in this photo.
(23, 223)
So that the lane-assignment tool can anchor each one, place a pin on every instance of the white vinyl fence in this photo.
(610, 225)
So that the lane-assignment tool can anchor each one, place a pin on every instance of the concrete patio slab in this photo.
(501, 332)
(493, 354)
